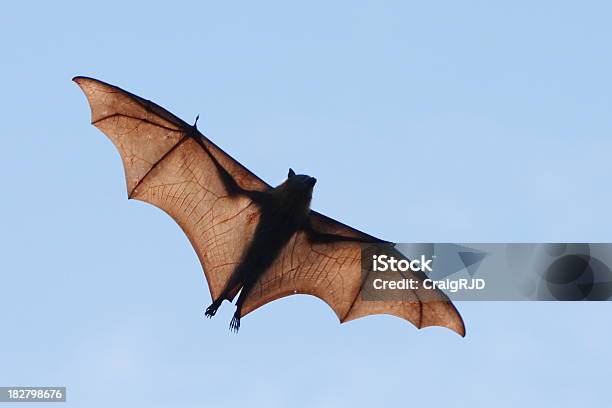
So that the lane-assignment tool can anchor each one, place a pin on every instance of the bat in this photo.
(254, 241)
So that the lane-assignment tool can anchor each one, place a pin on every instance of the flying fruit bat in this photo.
(253, 240)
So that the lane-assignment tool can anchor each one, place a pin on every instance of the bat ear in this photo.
(291, 173)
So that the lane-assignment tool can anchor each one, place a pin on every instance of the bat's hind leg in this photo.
(212, 309)
(235, 323)
(233, 285)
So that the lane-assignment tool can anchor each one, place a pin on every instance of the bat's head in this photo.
(300, 184)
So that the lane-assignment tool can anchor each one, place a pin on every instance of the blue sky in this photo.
(423, 122)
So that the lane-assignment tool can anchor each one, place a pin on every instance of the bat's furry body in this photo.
(284, 211)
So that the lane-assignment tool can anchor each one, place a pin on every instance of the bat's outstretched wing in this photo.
(166, 166)
(333, 272)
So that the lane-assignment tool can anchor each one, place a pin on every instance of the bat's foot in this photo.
(212, 309)
(235, 323)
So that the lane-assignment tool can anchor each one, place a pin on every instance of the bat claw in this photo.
(235, 324)
(211, 310)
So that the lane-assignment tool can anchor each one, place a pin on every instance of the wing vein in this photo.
(113, 115)
(173, 148)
